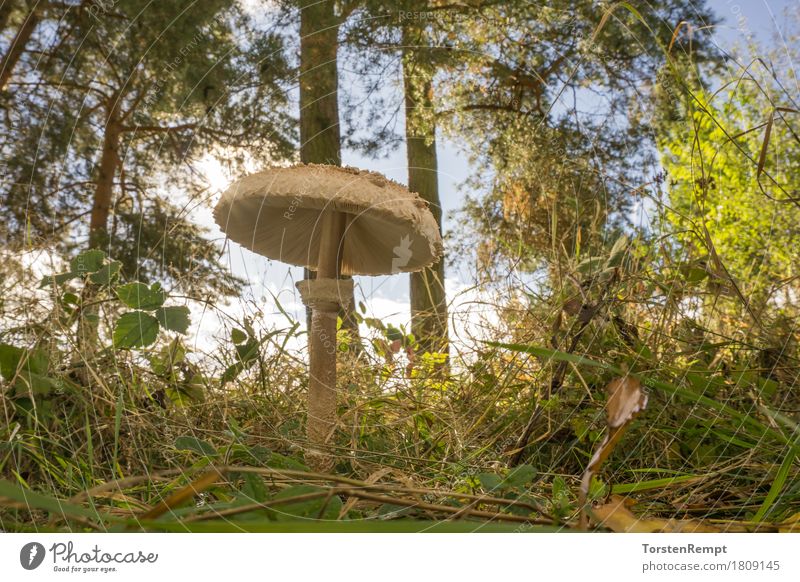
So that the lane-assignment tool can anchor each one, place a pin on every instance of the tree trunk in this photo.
(17, 47)
(88, 335)
(428, 299)
(320, 136)
(320, 140)
(320, 143)
(104, 188)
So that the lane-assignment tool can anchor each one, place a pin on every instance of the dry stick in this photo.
(384, 499)
(306, 475)
(256, 506)
(119, 484)
(491, 515)
(210, 477)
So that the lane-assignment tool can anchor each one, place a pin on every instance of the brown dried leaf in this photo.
(790, 525)
(616, 516)
(625, 400)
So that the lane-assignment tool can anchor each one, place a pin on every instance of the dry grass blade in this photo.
(677, 31)
(199, 485)
(762, 158)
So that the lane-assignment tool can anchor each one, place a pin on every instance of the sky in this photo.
(386, 298)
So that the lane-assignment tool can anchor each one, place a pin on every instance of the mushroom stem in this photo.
(329, 265)
(323, 347)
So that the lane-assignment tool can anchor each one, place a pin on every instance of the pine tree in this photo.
(111, 109)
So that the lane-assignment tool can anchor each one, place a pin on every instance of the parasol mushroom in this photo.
(335, 221)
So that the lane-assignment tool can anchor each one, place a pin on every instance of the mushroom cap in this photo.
(277, 213)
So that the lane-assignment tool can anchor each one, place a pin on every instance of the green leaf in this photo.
(165, 360)
(617, 252)
(32, 383)
(70, 298)
(519, 477)
(33, 361)
(140, 296)
(393, 334)
(489, 481)
(247, 354)
(89, 261)
(256, 454)
(254, 488)
(374, 323)
(278, 461)
(9, 360)
(57, 279)
(248, 351)
(560, 493)
(174, 318)
(106, 274)
(548, 354)
(238, 336)
(187, 392)
(777, 485)
(135, 329)
(194, 444)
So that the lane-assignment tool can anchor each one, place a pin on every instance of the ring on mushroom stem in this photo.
(336, 221)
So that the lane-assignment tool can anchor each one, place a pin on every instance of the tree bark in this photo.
(320, 139)
(104, 188)
(428, 298)
(320, 134)
(17, 47)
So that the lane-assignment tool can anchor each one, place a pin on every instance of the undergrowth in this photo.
(110, 421)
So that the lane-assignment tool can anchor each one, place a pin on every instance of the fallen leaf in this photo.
(616, 516)
(790, 525)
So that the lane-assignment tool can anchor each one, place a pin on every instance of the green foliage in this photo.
(174, 318)
(165, 99)
(140, 296)
(135, 330)
(717, 185)
(27, 370)
(195, 445)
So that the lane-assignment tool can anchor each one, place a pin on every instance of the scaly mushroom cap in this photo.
(276, 213)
